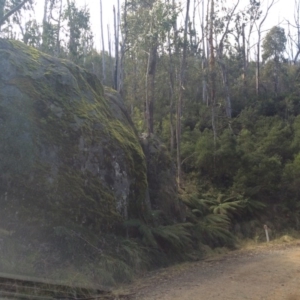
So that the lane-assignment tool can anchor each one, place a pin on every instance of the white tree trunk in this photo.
(103, 46)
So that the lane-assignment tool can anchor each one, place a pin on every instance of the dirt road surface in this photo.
(269, 272)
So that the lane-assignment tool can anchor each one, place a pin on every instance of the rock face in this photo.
(68, 151)
(161, 174)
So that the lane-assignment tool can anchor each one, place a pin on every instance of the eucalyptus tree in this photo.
(204, 54)
(45, 23)
(123, 50)
(20, 19)
(172, 48)
(274, 46)
(110, 55)
(295, 37)
(8, 8)
(117, 49)
(222, 25)
(52, 27)
(259, 25)
(182, 81)
(212, 67)
(251, 16)
(244, 29)
(297, 26)
(79, 31)
(147, 24)
(240, 45)
(32, 35)
(103, 45)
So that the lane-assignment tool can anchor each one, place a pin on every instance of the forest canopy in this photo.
(206, 79)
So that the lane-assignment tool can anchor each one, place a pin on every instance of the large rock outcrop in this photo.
(69, 153)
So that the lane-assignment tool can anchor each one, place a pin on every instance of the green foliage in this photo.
(296, 130)
(257, 158)
(274, 43)
(225, 206)
(175, 239)
(214, 230)
(80, 36)
(252, 207)
(93, 63)
(211, 216)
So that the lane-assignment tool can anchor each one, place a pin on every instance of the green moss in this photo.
(32, 56)
(32, 52)
(136, 159)
(72, 124)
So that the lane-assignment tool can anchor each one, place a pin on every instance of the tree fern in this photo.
(198, 206)
(173, 237)
(213, 229)
(252, 206)
(226, 206)
(143, 230)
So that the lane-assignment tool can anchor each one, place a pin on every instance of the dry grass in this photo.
(286, 238)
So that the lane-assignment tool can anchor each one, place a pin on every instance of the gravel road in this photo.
(265, 272)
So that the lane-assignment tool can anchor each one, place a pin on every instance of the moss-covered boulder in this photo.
(68, 150)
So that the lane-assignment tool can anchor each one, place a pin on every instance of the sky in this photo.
(94, 6)
(281, 11)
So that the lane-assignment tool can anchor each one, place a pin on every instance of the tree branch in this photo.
(267, 12)
(228, 22)
(11, 12)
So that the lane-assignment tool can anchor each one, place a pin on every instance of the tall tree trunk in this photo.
(135, 84)
(257, 72)
(110, 55)
(195, 42)
(45, 23)
(244, 60)
(45, 12)
(180, 98)
(212, 72)
(276, 67)
(72, 39)
(152, 73)
(119, 26)
(297, 25)
(171, 82)
(220, 56)
(2, 6)
(123, 49)
(258, 47)
(171, 94)
(103, 45)
(58, 29)
(147, 106)
(116, 71)
(204, 61)
(226, 88)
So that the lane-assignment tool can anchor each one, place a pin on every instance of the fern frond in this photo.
(176, 236)
(144, 231)
(226, 207)
(217, 220)
(213, 233)
(253, 206)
